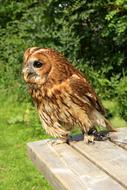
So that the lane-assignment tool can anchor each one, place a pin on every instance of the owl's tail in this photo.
(99, 119)
(109, 126)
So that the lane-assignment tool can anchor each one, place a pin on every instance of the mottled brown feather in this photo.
(63, 96)
(83, 89)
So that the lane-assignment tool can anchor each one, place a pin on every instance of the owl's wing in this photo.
(83, 89)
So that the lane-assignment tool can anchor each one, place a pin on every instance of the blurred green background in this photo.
(92, 34)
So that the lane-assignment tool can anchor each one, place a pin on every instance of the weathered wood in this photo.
(120, 137)
(67, 169)
(49, 163)
(108, 156)
(90, 175)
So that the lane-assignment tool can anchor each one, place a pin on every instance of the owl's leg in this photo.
(89, 139)
(98, 135)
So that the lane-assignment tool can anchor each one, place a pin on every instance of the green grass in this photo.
(18, 125)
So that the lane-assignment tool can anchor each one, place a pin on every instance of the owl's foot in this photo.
(94, 135)
(89, 139)
(99, 135)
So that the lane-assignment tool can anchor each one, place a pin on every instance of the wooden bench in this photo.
(78, 166)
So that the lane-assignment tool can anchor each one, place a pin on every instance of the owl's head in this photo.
(40, 65)
(36, 66)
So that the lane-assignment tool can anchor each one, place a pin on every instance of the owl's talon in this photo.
(89, 139)
(99, 135)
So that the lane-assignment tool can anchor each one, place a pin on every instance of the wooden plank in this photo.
(108, 156)
(48, 162)
(91, 176)
(66, 169)
(120, 137)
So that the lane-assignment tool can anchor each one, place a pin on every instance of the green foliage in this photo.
(92, 34)
(122, 96)
(19, 124)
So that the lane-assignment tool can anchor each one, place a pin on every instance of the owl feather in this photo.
(63, 95)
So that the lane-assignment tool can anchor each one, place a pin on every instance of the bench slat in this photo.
(65, 168)
(120, 137)
(108, 156)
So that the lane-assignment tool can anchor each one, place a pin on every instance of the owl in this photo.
(63, 96)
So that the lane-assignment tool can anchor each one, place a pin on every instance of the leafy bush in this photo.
(122, 97)
(92, 34)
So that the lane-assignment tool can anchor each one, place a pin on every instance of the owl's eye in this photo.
(37, 64)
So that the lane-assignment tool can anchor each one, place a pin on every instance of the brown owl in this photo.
(63, 96)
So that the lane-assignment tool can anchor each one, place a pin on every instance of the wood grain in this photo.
(108, 156)
(120, 137)
(67, 169)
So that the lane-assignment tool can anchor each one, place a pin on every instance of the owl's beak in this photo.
(28, 73)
